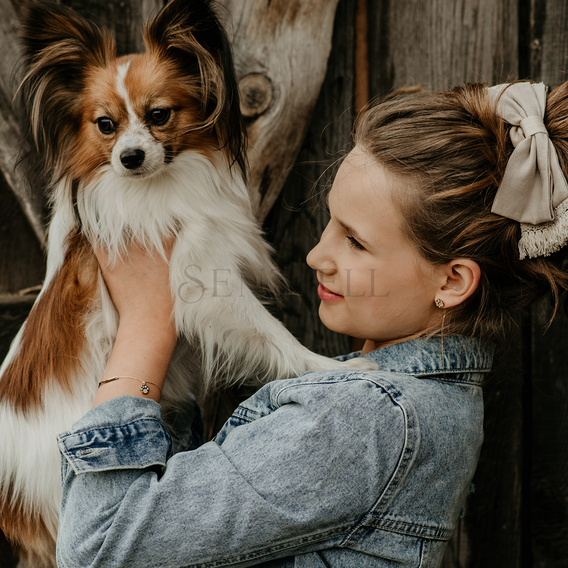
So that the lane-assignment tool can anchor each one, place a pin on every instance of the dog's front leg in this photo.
(239, 338)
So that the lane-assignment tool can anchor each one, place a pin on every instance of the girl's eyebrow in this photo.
(347, 228)
(352, 232)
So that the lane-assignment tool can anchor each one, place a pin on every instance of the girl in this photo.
(447, 216)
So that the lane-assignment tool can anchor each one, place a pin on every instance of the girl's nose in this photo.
(320, 258)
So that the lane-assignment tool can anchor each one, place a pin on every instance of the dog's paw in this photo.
(359, 363)
(320, 363)
(315, 363)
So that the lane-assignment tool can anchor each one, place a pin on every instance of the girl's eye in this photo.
(106, 125)
(159, 116)
(354, 243)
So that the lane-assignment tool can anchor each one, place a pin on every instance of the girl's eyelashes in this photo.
(354, 243)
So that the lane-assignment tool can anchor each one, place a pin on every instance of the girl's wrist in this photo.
(143, 349)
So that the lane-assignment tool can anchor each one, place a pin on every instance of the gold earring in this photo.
(442, 334)
(440, 304)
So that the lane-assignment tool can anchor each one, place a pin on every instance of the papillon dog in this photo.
(138, 148)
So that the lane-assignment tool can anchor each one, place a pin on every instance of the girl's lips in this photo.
(327, 295)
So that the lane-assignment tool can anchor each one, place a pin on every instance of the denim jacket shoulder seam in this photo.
(442, 371)
(442, 377)
(472, 384)
(335, 379)
(369, 376)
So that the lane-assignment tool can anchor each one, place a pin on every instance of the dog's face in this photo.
(138, 113)
(90, 111)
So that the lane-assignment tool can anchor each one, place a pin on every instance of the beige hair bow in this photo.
(534, 190)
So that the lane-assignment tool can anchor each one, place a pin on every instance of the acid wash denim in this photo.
(335, 469)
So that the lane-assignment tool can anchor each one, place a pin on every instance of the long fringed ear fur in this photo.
(59, 48)
(190, 34)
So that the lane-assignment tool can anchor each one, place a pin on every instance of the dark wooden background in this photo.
(518, 515)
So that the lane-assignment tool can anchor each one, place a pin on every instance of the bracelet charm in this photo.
(144, 388)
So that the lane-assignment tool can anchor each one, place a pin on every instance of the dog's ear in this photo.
(59, 48)
(190, 34)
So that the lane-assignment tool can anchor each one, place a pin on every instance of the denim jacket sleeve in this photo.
(287, 481)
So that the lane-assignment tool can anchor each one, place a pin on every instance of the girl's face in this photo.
(373, 282)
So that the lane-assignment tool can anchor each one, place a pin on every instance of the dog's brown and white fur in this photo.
(137, 148)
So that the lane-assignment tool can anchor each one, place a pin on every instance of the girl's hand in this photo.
(139, 286)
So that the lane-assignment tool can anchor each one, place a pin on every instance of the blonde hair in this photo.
(454, 148)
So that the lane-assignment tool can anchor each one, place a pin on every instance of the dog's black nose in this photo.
(132, 158)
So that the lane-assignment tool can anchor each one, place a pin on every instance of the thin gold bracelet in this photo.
(144, 388)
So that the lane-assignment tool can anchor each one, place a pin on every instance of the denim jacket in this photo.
(337, 469)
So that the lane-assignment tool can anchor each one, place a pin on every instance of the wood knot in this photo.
(256, 94)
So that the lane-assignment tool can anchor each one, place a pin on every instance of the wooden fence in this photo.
(518, 515)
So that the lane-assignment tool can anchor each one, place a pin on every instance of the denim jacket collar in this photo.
(456, 355)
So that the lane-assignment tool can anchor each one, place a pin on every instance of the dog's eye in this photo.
(159, 116)
(106, 125)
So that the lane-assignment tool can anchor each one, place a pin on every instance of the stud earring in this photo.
(439, 303)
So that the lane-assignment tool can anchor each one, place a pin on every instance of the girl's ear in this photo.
(461, 281)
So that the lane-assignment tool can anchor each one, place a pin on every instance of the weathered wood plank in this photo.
(547, 41)
(491, 532)
(549, 439)
(281, 49)
(361, 55)
(31, 202)
(14, 310)
(440, 44)
(21, 259)
(547, 47)
(296, 222)
(21, 212)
